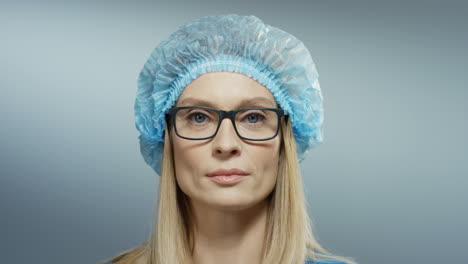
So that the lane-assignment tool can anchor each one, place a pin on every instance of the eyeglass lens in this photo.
(201, 123)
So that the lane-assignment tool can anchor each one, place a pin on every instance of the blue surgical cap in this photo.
(232, 43)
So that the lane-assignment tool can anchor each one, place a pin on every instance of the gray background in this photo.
(387, 186)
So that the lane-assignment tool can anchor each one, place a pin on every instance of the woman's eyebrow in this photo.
(256, 101)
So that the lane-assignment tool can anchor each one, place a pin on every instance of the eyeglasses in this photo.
(197, 122)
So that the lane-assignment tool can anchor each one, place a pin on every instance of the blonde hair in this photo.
(289, 237)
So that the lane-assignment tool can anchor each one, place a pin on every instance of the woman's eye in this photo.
(254, 118)
(197, 117)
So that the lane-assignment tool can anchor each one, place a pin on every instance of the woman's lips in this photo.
(223, 176)
(224, 172)
(225, 179)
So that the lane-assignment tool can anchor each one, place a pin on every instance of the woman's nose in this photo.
(226, 143)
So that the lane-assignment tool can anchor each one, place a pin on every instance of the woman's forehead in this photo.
(239, 103)
(226, 89)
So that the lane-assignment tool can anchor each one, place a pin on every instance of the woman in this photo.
(226, 108)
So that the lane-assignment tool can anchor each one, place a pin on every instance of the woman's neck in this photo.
(227, 236)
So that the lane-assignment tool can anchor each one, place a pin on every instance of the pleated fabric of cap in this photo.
(232, 43)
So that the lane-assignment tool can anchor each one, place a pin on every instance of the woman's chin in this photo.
(231, 202)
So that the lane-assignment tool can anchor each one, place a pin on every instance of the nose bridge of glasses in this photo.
(227, 115)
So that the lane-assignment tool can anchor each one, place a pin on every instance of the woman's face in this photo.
(195, 159)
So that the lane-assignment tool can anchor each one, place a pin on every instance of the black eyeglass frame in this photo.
(171, 113)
